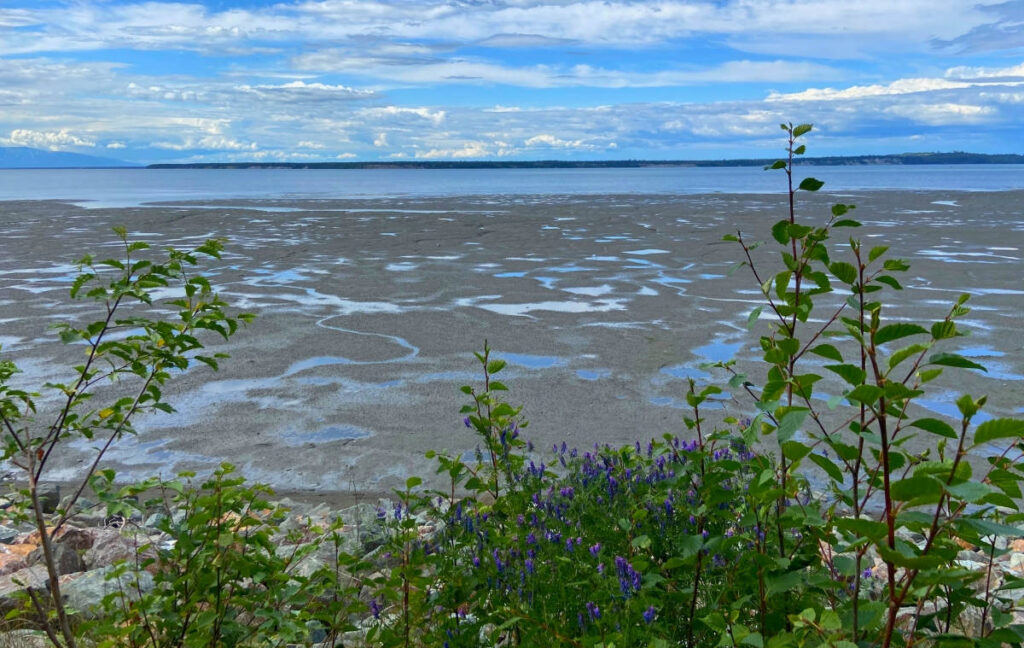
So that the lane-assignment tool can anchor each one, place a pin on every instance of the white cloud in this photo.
(545, 140)
(381, 141)
(116, 145)
(468, 150)
(52, 140)
(475, 72)
(214, 142)
(942, 114)
(1012, 73)
(881, 24)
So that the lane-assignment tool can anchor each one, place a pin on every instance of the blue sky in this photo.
(327, 80)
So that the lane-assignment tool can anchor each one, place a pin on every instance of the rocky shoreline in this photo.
(88, 549)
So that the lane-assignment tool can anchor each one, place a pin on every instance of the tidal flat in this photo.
(368, 312)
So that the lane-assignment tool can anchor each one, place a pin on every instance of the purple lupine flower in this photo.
(649, 614)
(600, 568)
(375, 608)
(467, 422)
(528, 563)
(593, 610)
(569, 545)
(398, 510)
(668, 506)
(476, 561)
(867, 573)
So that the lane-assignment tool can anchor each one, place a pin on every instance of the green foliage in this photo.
(131, 350)
(227, 574)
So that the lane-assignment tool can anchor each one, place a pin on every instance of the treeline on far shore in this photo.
(843, 160)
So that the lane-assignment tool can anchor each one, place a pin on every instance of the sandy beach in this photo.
(369, 311)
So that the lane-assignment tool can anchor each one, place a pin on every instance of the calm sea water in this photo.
(129, 187)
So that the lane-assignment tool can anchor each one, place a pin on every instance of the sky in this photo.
(360, 80)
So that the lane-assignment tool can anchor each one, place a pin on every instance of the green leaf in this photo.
(889, 281)
(780, 232)
(826, 464)
(935, 426)
(848, 372)
(494, 366)
(802, 129)
(898, 357)
(972, 492)
(846, 222)
(844, 272)
(778, 164)
(943, 330)
(897, 331)
(869, 529)
(867, 394)
(752, 318)
(1001, 428)
(827, 351)
(913, 488)
(811, 184)
(954, 360)
(790, 423)
(877, 252)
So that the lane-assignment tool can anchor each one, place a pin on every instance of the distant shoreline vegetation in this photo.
(855, 160)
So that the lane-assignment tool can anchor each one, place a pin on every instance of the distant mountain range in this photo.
(854, 160)
(23, 157)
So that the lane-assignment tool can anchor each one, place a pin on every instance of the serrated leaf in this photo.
(754, 315)
(827, 351)
(876, 252)
(778, 164)
(913, 488)
(970, 491)
(780, 232)
(811, 184)
(935, 426)
(896, 331)
(896, 358)
(844, 272)
(943, 330)
(889, 281)
(1001, 428)
(802, 129)
(954, 360)
(494, 366)
(867, 394)
(826, 464)
(848, 372)
(790, 423)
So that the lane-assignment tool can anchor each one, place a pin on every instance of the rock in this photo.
(86, 592)
(8, 534)
(11, 584)
(1017, 545)
(1016, 562)
(362, 524)
(66, 559)
(49, 497)
(24, 639)
(10, 563)
(108, 547)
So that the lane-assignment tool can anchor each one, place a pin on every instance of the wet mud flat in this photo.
(369, 311)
